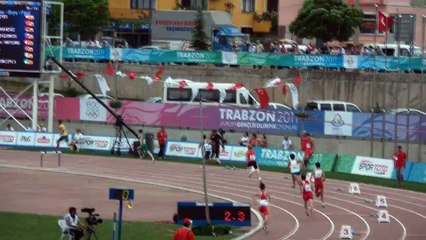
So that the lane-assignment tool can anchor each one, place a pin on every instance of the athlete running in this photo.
(307, 196)
(294, 166)
(319, 177)
(263, 198)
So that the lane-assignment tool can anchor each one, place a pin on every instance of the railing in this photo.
(378, 63)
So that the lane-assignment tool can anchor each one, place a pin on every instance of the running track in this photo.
(287, 220)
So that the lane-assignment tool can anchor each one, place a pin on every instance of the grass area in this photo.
(31, 226)
(413, 186)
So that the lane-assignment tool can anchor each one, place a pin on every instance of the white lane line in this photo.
(244, 236)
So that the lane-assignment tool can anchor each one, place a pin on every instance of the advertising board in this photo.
(8, 138)
(373, 167)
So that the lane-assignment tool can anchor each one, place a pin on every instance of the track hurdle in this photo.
(42, 153)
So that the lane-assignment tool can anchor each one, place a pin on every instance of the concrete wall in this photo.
(390, 90)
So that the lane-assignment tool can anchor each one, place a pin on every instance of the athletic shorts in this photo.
(252, 164)
(264, 210)
(62, 138)
(207, 155)
(296, 174)
(318, 185)
(307, 196)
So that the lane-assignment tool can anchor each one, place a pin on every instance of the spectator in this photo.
(185, 232)
(73, 224)
(162, 139)
(400, 157)
(263, 141)
(9, 128)
(207, 151)
(76, 140)
(30, 128)
(217, 141)
(253, 48)
(259, 47)
(244, 139)
(253, 140)
(287, 144)
(41, 128)
(143, 147)
(105, 44)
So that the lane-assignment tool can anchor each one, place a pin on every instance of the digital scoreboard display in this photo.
(20, 36)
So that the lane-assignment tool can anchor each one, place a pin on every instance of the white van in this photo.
(391, 50)
(326, 105)
(195, 92)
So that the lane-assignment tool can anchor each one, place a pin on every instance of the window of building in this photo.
(368, 25)
(248, 5)
(272, 6)
(186, 4)
(142, 4)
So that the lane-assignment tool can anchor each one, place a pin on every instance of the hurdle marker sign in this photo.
(42, 153)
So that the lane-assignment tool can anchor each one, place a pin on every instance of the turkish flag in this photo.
(210, 86)
(159, 73)
(110, 69)
(284, 89)
(236, 86)
(131, 75)
(385, 22)
(182, 84)
(80, 75)
(297, 79)
(263, 97)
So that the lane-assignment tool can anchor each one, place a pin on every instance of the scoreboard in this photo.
(20, 36)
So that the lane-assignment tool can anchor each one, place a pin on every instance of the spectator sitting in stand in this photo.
(9, 128)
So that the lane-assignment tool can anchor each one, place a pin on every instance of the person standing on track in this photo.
(400, 157)
(263, 198)
(308, 149)
(251, 162)
(162, 140)
(63, 134)
(294, 166)
(307, 196)
(319, 177)
(143, 147)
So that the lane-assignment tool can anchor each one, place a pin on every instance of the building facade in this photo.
(251, 16)
(411, 20)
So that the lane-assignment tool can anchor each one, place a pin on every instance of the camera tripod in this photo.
(119, 135)
(90, 231)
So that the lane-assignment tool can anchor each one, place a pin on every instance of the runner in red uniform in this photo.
(263, 198)
(308, 149)
(307, 196)
(251, 161)
(319, 177)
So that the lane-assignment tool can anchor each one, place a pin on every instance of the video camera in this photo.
(93, 218)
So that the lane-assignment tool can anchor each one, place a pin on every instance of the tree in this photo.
(85, 17)
(326, 20)
(199, 37)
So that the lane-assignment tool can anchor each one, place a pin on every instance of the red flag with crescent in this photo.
(385, 22)
(263, 97)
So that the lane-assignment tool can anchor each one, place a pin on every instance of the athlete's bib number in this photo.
(263, 203)
(252, 157)
(308, 188)
(318, 174)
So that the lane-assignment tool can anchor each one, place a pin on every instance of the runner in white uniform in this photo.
(294, 166)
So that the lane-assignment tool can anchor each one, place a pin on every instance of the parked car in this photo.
(407, 111)
(331, 105)
(100, 96)
(278, 106)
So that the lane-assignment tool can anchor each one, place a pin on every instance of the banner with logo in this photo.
(338, 123)
(45, 140)
(87, 53)
(374, 167)
(325, 159)
(275, 157)
(8, 138)
(96, 143)
(26, 139)
(238, 153)
(91, 110)
(25, 102)
(417, 173)
(345, 164)
(158, 56)
(183, 149)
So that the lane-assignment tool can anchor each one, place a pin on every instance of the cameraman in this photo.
(185, 232)
(73, 224)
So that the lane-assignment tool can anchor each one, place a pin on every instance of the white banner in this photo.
(26, 139)
(96, 143)
(230, 58)
(350, 61)
(103, 85)
(91, 110)
(238, 154)
(294, 95)
(374, 167)
(338, 123)
(8, 138)
(182, 149)
(45, 140)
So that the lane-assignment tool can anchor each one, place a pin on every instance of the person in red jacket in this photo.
(162, 139)
(400, 157)
(185, 232)
(309, 149)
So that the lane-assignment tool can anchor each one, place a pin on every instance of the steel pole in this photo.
(35, 105)
(206, 197)
(51, 103)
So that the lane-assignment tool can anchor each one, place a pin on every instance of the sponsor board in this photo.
(91, 110)
(275, 157)
(26, 139)
(45, 140)
(338, 123)
(183, 149)
(96, 143)
(8, 138)
(238, 154)
(374, 167)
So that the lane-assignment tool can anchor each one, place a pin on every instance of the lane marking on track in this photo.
(246, 235)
